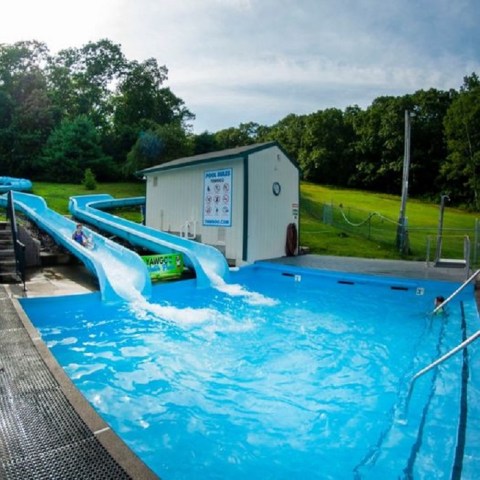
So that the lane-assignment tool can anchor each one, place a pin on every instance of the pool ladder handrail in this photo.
(459, 347)
(456, 292)
(450, 353)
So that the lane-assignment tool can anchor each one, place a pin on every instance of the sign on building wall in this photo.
(169, 265)
(217, 198)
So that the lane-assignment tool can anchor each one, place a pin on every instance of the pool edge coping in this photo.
(100, 429)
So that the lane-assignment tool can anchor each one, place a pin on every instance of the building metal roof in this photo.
(221, 155)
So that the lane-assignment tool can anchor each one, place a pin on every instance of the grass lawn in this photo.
(322, 238)
(422, 218)
(57, 194)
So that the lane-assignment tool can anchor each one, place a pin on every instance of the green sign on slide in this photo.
(169, 265)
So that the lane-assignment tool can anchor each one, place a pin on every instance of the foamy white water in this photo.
(126, 282)
(237, 290)
(145, 310)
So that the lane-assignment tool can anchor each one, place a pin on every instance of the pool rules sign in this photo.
(217, 198)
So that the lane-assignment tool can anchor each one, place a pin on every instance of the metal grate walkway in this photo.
(41, 434)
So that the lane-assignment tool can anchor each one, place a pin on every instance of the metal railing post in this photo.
(428, 251)
(466, 253)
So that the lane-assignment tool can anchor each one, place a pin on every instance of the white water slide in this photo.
(209, 264)
(120, 271)
(108, 261)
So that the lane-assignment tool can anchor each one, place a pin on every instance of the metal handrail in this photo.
(185, 231)
(18, 246)
(438, 259)
(456, 292)
(453, 351)
(459, 347)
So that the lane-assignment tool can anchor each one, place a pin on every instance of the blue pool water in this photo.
(285, 373)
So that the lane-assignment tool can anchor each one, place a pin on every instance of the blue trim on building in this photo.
(245, 209)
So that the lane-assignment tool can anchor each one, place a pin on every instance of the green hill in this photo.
(364, 224)
(359, 223)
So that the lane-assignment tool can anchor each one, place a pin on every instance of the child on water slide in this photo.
(80, 237)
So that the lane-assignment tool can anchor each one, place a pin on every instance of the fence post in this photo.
(327, 214)
(428, 251)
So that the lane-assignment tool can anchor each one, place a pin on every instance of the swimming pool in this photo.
(286, 373)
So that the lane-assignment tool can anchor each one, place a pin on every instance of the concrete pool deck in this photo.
(48, 429)
(390, 268)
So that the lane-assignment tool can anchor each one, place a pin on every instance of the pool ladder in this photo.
(459, 347)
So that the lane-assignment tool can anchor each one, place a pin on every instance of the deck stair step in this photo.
(6, 262)
(451, 263)
(9, 277)
(8, 267)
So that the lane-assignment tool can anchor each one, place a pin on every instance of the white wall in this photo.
(178, 197)
(269, 215)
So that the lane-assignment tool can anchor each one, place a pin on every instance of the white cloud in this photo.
(246, 60)
(58, 23)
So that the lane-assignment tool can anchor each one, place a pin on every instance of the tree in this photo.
(204, 143)
(83, 80)
(141, 103)
(89, 180)
(19, 59)
(72, 148)
(244, 134)
(26, 112)
(325, 152)
(380, 132)
(462, 130)
(164, 143)
(428, 145)
(38, 91)
(288, 132)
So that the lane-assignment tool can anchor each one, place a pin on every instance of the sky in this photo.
(238, 61)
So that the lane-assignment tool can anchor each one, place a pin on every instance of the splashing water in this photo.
(126, 282)
(237, 290)
(144, 310)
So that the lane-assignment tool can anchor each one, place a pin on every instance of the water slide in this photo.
(16, 184)
(209, 264)
(109, 261)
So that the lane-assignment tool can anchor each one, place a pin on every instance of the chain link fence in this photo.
(424, 242)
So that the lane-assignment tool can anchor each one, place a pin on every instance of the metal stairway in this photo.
(8, 270)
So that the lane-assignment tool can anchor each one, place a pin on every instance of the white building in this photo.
(241, 201)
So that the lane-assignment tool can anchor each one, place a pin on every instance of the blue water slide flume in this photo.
(121, 273)
(15, 184)
(208, 263)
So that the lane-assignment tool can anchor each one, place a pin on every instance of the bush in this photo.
(89, 180)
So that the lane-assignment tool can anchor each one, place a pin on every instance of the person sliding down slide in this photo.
(80, 237)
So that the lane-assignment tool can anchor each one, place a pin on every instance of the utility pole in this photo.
(402, 233)
(438, 252)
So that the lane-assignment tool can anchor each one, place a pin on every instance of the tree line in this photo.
(92, 108)
(364, 149)
(83, 108)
